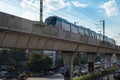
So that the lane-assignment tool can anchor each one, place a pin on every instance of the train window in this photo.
(51, 21)
(58, 24)
(114, 42)
(92, 34)
(105, 39)
(109, 40)
(98, 36)
(95, 35)
(74, 29)
(101, 37)
(81, 31)
(87, 32)
(66, 26)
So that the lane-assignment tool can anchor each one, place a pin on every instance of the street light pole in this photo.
(103, 24)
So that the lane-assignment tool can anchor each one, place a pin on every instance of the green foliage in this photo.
(98, 58)
(4, 56)
(76, 60)
(18, 54)
(13, 57)
(85, 77)
(80, 59)
(38, 63)
(97, 73)
(59, 63)
(11, 68)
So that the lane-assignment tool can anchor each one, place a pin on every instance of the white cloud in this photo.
(50, 4)
(77, 4)
(111, 8)
(28, 15)
(56, 4)
(32, 7)
(30, 4)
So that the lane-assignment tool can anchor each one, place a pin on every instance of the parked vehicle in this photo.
(117, 74)
(11, 75)
(75, 73)
(61, 70)
(3, 74)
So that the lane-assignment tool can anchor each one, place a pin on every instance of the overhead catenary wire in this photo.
(50, 13)
(74, 15)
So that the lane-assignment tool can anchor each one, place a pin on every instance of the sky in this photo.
(87, 13)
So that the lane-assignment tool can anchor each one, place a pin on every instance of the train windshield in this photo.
(51, 21)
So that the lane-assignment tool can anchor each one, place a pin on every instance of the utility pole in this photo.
(41, 10)
(103, 24)
(40, 22)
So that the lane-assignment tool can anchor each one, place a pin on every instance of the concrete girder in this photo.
(52, 35)
(10, 39)
(87, 48)
(64, 45)
(14, 23)
(105, 50)
(20, 40)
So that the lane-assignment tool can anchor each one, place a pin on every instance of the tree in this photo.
(59, 63)
(80, 59)
(4, 57)
(11, 69)
(18, 54)
(38, 63)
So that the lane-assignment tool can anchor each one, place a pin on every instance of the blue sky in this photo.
(86, 12)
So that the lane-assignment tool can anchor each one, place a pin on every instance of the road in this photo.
(52, 77)
(60, 77)
(110, 77)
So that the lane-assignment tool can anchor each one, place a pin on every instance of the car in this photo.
(75, 73)
(84, 71)
(3, 74)
(117, 74)
(61, 70)
(11, 75)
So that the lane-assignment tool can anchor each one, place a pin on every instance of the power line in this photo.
(37, 9)
(47, 12)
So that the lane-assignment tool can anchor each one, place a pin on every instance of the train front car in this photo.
(51, 21)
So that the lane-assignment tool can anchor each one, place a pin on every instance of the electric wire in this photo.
(37, 12)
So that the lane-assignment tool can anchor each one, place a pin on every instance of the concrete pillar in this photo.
(68, 58)
(108, 60)
(28, 53)
(91, 60)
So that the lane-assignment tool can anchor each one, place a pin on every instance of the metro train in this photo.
(55, 21)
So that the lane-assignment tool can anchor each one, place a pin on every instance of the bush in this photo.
(85, 77)
(97, 73)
